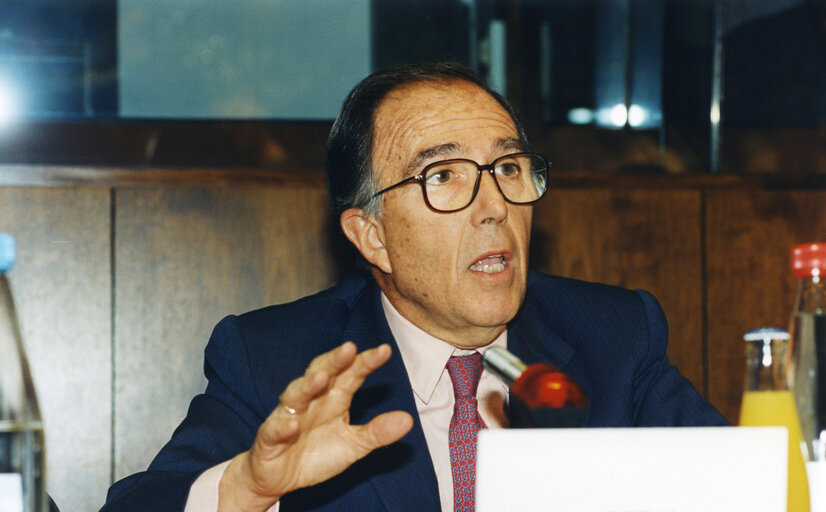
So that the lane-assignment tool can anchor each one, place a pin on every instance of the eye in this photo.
(439, 176)
(508, 169)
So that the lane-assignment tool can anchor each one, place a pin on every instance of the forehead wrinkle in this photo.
(398, 124)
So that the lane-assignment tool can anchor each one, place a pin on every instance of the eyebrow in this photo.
(451, 148)
(442, 150)
(511, 144)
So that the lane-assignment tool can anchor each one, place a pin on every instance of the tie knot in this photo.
(465, 372)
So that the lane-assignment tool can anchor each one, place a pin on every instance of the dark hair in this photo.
(350, 146)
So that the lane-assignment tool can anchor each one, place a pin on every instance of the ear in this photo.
(366, 232)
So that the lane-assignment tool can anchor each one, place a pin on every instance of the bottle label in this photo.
(11, 492)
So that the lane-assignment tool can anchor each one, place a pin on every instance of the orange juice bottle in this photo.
(767, 401)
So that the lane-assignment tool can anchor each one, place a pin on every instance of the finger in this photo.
(301, 391)
(382, 430)
(334, 361)
(364, 364)
(275, 431)
(283, 423)
(295, 400)
(342, 366)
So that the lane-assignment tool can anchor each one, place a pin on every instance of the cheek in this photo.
(421, 247)
(524, 230)
(406, 242)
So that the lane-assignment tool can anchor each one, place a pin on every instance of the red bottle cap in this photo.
(809, 260)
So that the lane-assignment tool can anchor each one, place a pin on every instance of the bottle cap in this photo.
(8, 251)
(766, 334)
(809, 260)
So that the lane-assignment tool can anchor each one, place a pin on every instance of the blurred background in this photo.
(664, 85)
(161, 164)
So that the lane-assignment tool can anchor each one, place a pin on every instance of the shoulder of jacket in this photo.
(316, 314)
(553, 293)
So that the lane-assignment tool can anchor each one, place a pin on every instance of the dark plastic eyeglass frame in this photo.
(491, 168)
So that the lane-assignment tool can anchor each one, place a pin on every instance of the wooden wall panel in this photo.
(140, 306)
(62, 288)
(184, 258)
(635, 238)
(749, 237)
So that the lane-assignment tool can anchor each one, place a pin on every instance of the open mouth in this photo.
(490, 264)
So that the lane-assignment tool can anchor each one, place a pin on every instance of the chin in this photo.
(499, 314)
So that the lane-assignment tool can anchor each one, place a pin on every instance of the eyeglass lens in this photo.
(449, 185)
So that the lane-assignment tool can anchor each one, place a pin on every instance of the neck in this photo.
(463, 336)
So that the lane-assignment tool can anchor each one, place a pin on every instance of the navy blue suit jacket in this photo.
(610, 340)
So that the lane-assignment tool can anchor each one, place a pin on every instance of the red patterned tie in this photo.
(464, 372)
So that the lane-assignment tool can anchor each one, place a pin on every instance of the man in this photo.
(344, 400)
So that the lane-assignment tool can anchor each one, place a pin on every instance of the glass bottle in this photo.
(768, 401)
(808, 326)
(21, 430)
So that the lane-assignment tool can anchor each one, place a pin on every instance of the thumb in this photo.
(383, 430)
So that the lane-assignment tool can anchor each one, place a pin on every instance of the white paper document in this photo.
(636, 469)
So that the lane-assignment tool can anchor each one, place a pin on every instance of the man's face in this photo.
(459, 276)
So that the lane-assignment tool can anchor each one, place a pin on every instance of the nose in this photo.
(490, 206)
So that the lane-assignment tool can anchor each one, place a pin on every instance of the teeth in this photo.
(489, 268)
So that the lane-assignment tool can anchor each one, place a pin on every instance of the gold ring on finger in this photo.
(290, 410)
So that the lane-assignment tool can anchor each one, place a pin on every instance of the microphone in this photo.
(541, 395)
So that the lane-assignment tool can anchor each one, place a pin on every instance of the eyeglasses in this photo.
(451, 185)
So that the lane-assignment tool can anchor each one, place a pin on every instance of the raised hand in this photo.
(308, 438)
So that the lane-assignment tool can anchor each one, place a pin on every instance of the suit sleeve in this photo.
(662, 396)
(219, 424)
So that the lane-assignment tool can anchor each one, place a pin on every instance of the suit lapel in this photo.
(532, 340)
(402, 474)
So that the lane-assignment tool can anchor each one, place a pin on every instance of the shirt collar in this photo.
(424, 356)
